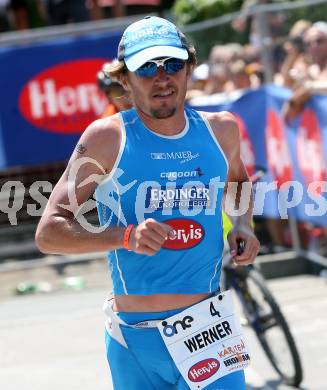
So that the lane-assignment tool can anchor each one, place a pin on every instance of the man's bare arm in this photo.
(58, 230)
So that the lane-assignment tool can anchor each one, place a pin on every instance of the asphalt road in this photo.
(55, 341)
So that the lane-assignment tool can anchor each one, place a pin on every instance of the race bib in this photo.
(206, 341)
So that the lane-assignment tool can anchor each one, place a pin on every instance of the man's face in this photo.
(316, 42)
(160, 96)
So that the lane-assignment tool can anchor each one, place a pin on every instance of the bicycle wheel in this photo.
(265, 317)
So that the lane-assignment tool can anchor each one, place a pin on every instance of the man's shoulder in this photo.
(104, 130)
(220, 117)
(102, 137)
(101, 141)
(110, 124)
(222, 122)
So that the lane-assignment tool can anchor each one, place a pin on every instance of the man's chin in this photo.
(163, 113)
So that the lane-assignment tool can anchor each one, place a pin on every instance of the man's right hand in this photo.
(148, 237)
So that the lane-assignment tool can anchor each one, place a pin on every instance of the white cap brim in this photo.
(140, 58)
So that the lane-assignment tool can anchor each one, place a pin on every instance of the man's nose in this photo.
(161, 74)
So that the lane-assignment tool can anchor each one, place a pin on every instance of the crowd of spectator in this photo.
(26, 14)
(301, 65)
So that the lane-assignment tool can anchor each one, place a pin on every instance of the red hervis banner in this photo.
(278, 153)
(247, 149)
(309, 148)
(64, 98)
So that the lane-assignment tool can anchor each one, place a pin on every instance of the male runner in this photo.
(163, 169)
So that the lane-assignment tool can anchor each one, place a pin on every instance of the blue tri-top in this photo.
(177, 180)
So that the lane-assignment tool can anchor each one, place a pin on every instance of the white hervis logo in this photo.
(190, 199)
(61, 100)
(203, 370)
(186, 234)
(47, 100)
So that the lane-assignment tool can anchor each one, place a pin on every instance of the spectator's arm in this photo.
(290, 59)
(293, 107)
(316, 87)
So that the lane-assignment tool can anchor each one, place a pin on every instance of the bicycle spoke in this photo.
(263, 314)
(267, 322)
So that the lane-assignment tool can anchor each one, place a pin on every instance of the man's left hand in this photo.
(251, 247)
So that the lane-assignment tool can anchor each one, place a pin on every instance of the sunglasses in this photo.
(317, 41)
(171, 66)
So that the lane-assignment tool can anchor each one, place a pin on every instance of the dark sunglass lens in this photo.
(174, 65)
(149, 69)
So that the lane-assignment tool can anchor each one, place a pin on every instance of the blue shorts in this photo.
(146, 364)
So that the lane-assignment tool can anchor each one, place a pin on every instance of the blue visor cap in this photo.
(150, 38)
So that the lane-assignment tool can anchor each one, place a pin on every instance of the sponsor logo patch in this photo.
(232, 350)
(203, 370)
(187, 233)
(171, 330)
(182, 157)
(181, 174)
(179, 197)
(236, 361)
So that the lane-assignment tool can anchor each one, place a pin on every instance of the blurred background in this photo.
(265, 61)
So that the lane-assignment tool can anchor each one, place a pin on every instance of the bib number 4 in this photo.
(213, 310)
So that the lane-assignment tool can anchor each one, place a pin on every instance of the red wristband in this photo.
(127, 234)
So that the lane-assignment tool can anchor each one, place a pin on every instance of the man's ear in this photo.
(124, 82)
(189, 69)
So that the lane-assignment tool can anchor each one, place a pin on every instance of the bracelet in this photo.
(127, 234)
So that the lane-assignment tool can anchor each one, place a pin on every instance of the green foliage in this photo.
(311, 13)
(190, 11)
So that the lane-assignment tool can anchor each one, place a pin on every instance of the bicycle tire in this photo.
(254, 276)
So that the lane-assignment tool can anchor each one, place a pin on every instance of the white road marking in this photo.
(254, 379)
